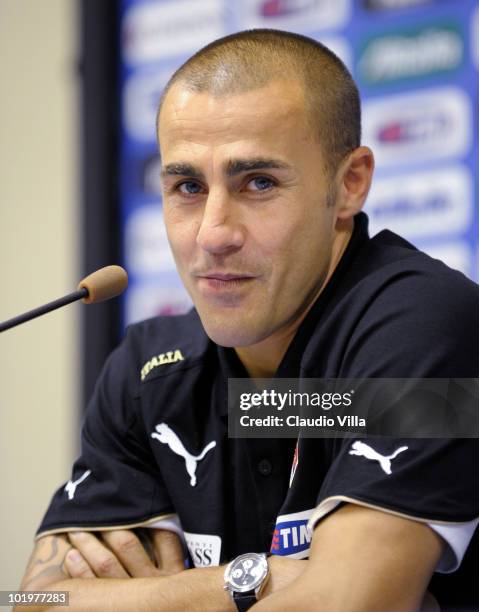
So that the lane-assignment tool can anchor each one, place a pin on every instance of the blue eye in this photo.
(189, 187)
(261, 183)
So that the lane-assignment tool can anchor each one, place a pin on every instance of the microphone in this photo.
(99, 286)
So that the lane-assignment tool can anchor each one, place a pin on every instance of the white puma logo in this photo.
(71, 485)
(364, 450)
(167, 436)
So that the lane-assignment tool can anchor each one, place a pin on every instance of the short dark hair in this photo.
(248, 60)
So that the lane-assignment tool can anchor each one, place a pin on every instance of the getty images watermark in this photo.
(320, 408)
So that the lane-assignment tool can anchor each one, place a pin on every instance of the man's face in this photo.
(245, 207)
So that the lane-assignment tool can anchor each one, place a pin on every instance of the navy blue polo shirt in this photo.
(155, 442)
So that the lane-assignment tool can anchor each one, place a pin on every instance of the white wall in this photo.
(39, 240)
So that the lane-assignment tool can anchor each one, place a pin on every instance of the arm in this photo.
(363, 560)
(54, 560)
(192, 589)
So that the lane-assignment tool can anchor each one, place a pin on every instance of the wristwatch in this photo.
(245, 577)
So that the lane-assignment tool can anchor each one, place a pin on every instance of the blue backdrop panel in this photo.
(417, 66)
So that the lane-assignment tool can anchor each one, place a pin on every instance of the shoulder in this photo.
(411, 284)
(166, 330)
(390, 275)
(424, 313)
(173, 341)
(398, 312)
(178, 342)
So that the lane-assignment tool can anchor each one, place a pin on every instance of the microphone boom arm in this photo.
(41, 310)
(101, 285)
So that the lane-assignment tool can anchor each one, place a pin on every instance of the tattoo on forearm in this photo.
(51, 571)
(53, 552)
(55, 570)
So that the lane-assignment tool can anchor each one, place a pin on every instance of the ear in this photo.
(353, 182)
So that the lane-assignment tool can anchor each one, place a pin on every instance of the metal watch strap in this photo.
(244, 601)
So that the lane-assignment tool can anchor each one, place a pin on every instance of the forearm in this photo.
(363, 560)
(195, 590)
(100, 581)
(301, 597)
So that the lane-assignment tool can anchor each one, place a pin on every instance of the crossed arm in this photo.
(361, 560)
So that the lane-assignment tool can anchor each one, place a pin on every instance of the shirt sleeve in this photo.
(457, 538)
(422, 480)
(115, 482)
(418, 326)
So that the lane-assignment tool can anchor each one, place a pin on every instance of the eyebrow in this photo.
(181, 169)
(237, 166)
(234, 167)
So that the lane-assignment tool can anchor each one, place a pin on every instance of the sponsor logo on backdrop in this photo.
(475, 37)
(205, 550)
(156, 31)
(162, 295)
(423, 204)
(387, 5)
(141, 96)
(432, 49)
(291, 535)
(147, 250)
(281, 8)
(295, 14)
(421, 126)
(457, 255)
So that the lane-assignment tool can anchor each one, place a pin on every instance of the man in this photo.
(263, 181)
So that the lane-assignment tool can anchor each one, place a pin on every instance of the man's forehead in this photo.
(276, 99)
(202, 128)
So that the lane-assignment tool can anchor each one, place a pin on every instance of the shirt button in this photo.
(264, 467)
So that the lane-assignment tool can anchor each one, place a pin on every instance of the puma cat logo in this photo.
(166, 435)
(364, 450)
(72, 485)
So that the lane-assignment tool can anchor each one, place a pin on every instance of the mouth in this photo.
(217, 281)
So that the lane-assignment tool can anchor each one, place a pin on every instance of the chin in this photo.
(229, 333)
(228, 337)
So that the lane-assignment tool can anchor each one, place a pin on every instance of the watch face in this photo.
(246, 572)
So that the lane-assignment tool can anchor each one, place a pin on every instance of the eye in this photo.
(189, 187)
(261, 183)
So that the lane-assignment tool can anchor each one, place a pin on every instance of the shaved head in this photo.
(250, 60)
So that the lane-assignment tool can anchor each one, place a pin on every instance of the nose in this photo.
(220, 230)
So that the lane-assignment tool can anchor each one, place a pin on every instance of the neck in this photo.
(262, 359)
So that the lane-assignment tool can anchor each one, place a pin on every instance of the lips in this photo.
(223, 281)
(221, 276)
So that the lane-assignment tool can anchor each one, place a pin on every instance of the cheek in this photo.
(288, 233)
(300, 247)
(181, 235)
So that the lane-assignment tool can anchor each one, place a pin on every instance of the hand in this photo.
(120, 554)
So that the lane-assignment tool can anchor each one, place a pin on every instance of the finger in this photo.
(76, 565)
(168, 550)
(101, 560)
(143, 534)
(131, 553)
